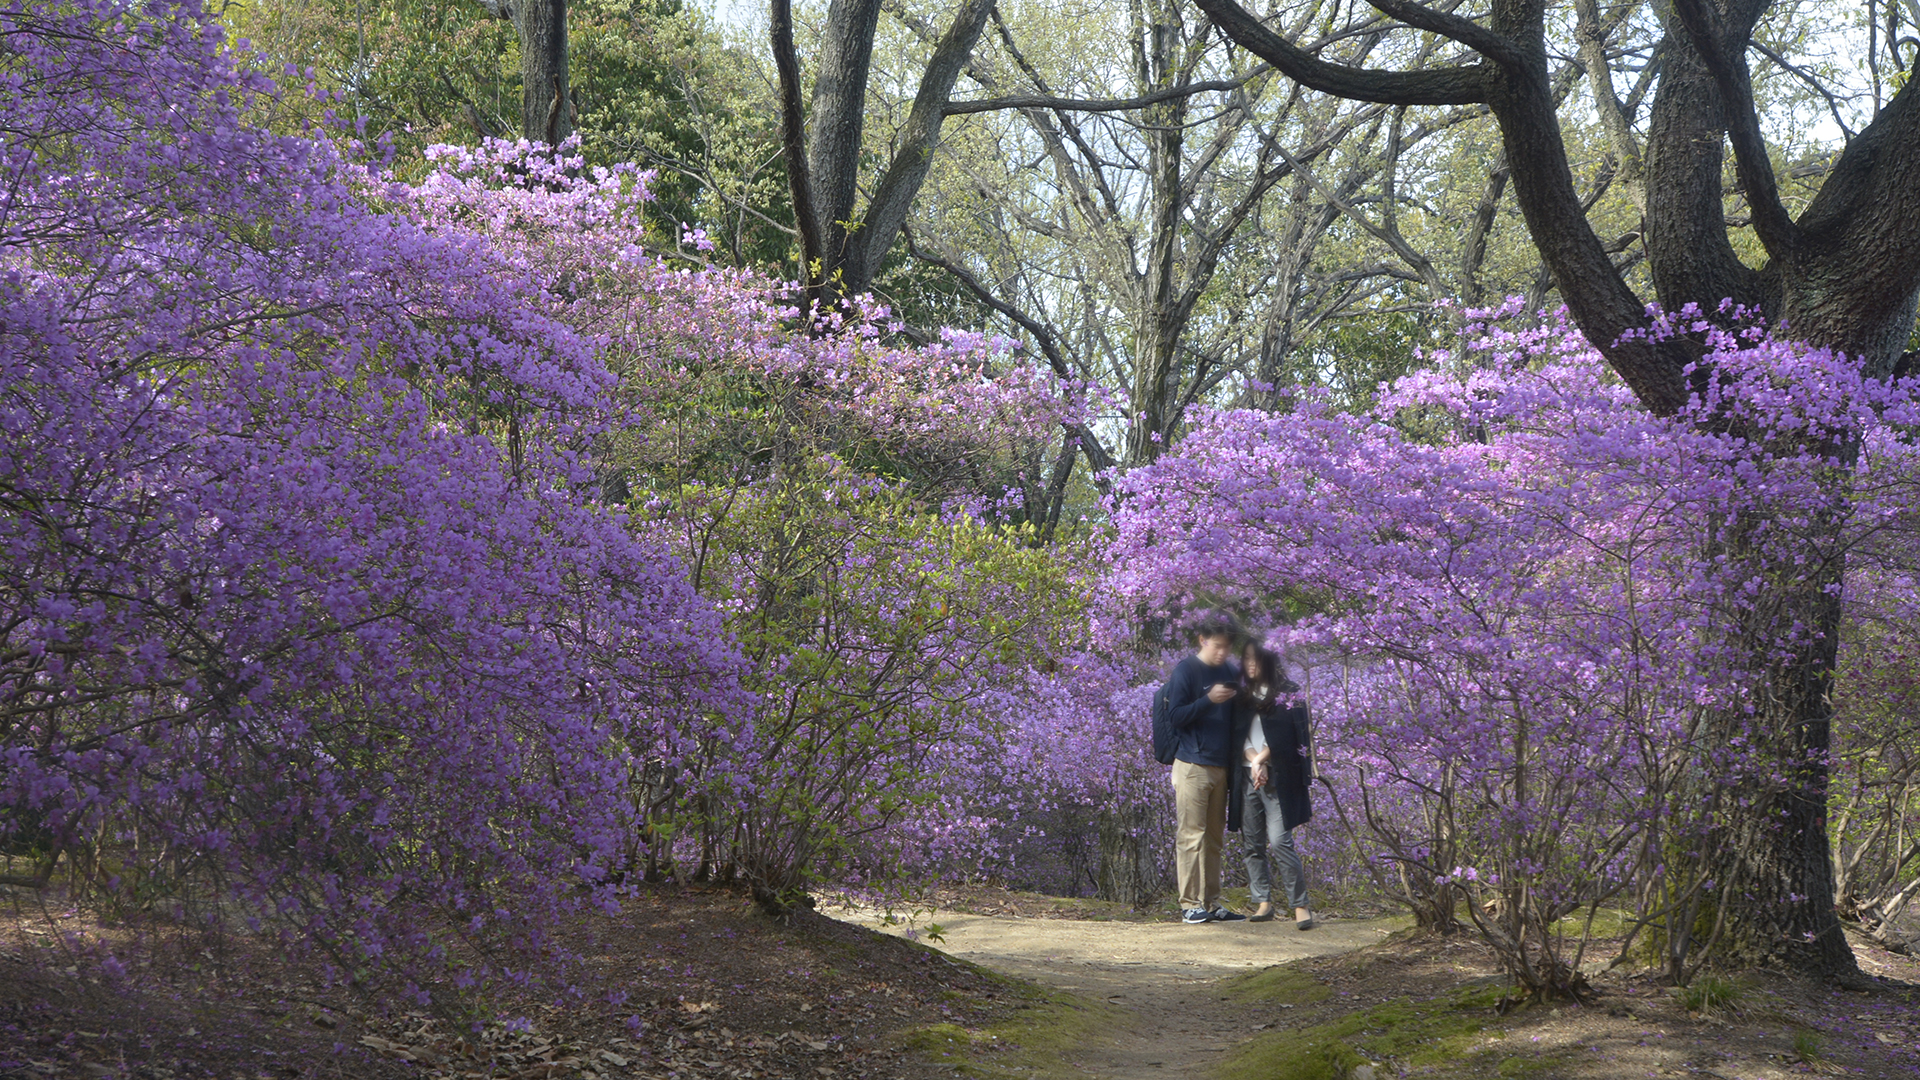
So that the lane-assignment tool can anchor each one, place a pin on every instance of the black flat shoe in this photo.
(1268, 917)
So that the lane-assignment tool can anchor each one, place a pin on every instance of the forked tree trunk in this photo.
(1842, 276)
(843, 245)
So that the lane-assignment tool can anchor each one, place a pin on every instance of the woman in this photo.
(1275, 743)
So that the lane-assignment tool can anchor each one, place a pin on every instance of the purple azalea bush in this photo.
(303, 598)
(398, 567)
(1535, 610)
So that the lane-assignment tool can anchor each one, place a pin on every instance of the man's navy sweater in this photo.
(1205, 728)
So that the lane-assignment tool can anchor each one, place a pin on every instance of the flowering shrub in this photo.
(1070, 799)
(835, 497)
(400, 564)
(1556, 616)
(301, 597)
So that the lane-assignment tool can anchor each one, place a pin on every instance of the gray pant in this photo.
(1261, 825)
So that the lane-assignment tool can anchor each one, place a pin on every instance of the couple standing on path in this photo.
(1241, 761)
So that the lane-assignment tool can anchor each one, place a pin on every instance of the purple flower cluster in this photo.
(301, 596)
(1532, 609)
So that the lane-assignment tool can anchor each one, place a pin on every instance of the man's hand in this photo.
(1220, 694)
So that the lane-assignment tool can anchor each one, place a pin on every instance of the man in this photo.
(1200, 701)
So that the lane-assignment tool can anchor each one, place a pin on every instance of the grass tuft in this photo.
(1809, 1047)
(1708, 993)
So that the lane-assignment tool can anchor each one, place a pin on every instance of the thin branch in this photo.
(1097, 456)
(1833, 103)
(1041, 101)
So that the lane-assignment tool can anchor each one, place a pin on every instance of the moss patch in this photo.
(1518, 1068)
(1406, 1032)
(1037, 1037)
(1283, 984)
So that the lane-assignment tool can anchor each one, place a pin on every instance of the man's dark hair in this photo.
(1215, 626)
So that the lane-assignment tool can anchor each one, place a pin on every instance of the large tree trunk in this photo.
(546, 96)
(1685, 230)
(836, 120)
(1842, 276)
(1767, 854)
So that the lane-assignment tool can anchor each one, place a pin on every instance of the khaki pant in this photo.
(1200, 814)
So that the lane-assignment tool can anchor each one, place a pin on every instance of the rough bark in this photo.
(1843, 275)
(836, 121)
(844, 244)
(1773, 864)
(1854, 279)
(546, 95)
(793, 144)
(917, 141)
(1156, 332)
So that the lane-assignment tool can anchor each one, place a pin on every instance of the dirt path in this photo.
(1163, 973)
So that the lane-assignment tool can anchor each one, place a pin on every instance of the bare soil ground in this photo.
(685, 982)
(1359, 997)
(694, 983)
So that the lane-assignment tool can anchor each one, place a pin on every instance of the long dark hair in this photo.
(1273, 677)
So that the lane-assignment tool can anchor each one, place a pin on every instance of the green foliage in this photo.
(419, 71)
(1808, 1047)
(865, 621)
(654, 82)
(1042, 1036)
(871, 617)
(659, 85)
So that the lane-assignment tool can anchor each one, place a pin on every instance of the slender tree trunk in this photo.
(546, 95)
(1156, 330)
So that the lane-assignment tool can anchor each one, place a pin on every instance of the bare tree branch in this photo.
(1463, 30)
(1591, 35)
(1441, 86)
(1781, 62)
(1097, 456)
(1042, 101)
(887, 211)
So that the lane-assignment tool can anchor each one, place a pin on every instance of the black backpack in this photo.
(1165, 740)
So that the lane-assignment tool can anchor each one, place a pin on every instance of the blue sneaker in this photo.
(1196, 916)
(1221, 914)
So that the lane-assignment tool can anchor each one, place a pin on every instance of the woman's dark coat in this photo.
(1290, 769)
